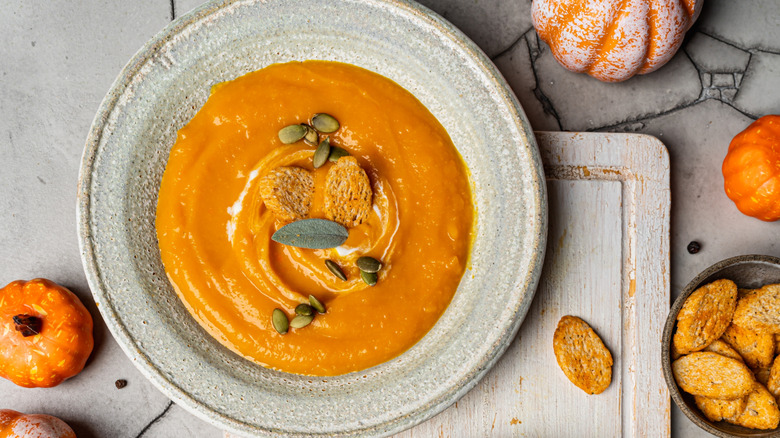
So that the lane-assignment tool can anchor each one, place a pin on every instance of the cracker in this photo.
(761, 411)
(757, 349)
(712, 375)
(762, 375)
(773, 383)
(717, 410)
(723, 349)
(582, 355)
(675, 354)
(777, 343)
(759, 310)
(705, 315)
(347, 193)
(742, 292)
(287, 192)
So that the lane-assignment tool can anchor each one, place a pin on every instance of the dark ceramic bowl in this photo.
(749, 272)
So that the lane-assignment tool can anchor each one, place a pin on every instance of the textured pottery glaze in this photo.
(749, 272)
(165, 84)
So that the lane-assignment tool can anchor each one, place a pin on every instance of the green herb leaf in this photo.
(311, 233)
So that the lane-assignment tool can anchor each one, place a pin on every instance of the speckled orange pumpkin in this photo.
(614, 40)
(17, 425)
(751, 169)
(45, 333)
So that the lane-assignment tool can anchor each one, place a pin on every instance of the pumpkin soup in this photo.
(388, 177)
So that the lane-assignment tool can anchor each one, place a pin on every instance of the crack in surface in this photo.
(645, 117)
(154, 420)
(750, 50)
(737, 86)
(699, 71)
(173, 10)
(534, 53)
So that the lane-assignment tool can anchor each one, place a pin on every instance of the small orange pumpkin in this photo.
(614, 40)
(45, 333)
(751, 169)
(17, 425)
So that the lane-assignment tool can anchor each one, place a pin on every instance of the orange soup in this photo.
(215, 230)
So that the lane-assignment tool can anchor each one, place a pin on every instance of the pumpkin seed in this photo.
(336, 153)
(279, 319)
(304, 310)
(369, 277)
(312, 234)
(325, 123)
(335, 269)
(369, 264)
(301, 321)
(292, 133)
(311, 138)
(321, 154)
(318, 306)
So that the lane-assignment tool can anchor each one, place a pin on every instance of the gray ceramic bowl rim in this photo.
(142, 362)
(671, 320)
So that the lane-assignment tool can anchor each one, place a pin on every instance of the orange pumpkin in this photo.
(45, 333)
(17, 425)
(751, 170)
(614, 40)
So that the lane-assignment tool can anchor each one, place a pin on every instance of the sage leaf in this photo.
(312, 234)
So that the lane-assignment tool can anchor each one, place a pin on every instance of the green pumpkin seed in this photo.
(324, 123)
(304, 310)
(321, 154)
(335, 269)
(301, 321)
(336, 153)
(311, 138)
(279, 319)
(291, 134)
(369, 264)
(369, 277)
(318, 306)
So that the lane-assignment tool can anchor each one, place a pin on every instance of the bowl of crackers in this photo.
(720, 348)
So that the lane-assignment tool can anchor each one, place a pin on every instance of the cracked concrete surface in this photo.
(59, 62)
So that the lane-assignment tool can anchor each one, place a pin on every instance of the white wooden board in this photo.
(608, 263)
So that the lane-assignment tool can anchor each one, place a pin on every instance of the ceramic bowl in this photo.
(160, 90)
(749, 272)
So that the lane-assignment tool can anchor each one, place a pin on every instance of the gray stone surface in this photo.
(59, 60)
(519, 70)
(712, 55)
(750, 25)
(760, 88)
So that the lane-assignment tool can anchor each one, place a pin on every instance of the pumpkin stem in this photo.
(27, 324)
